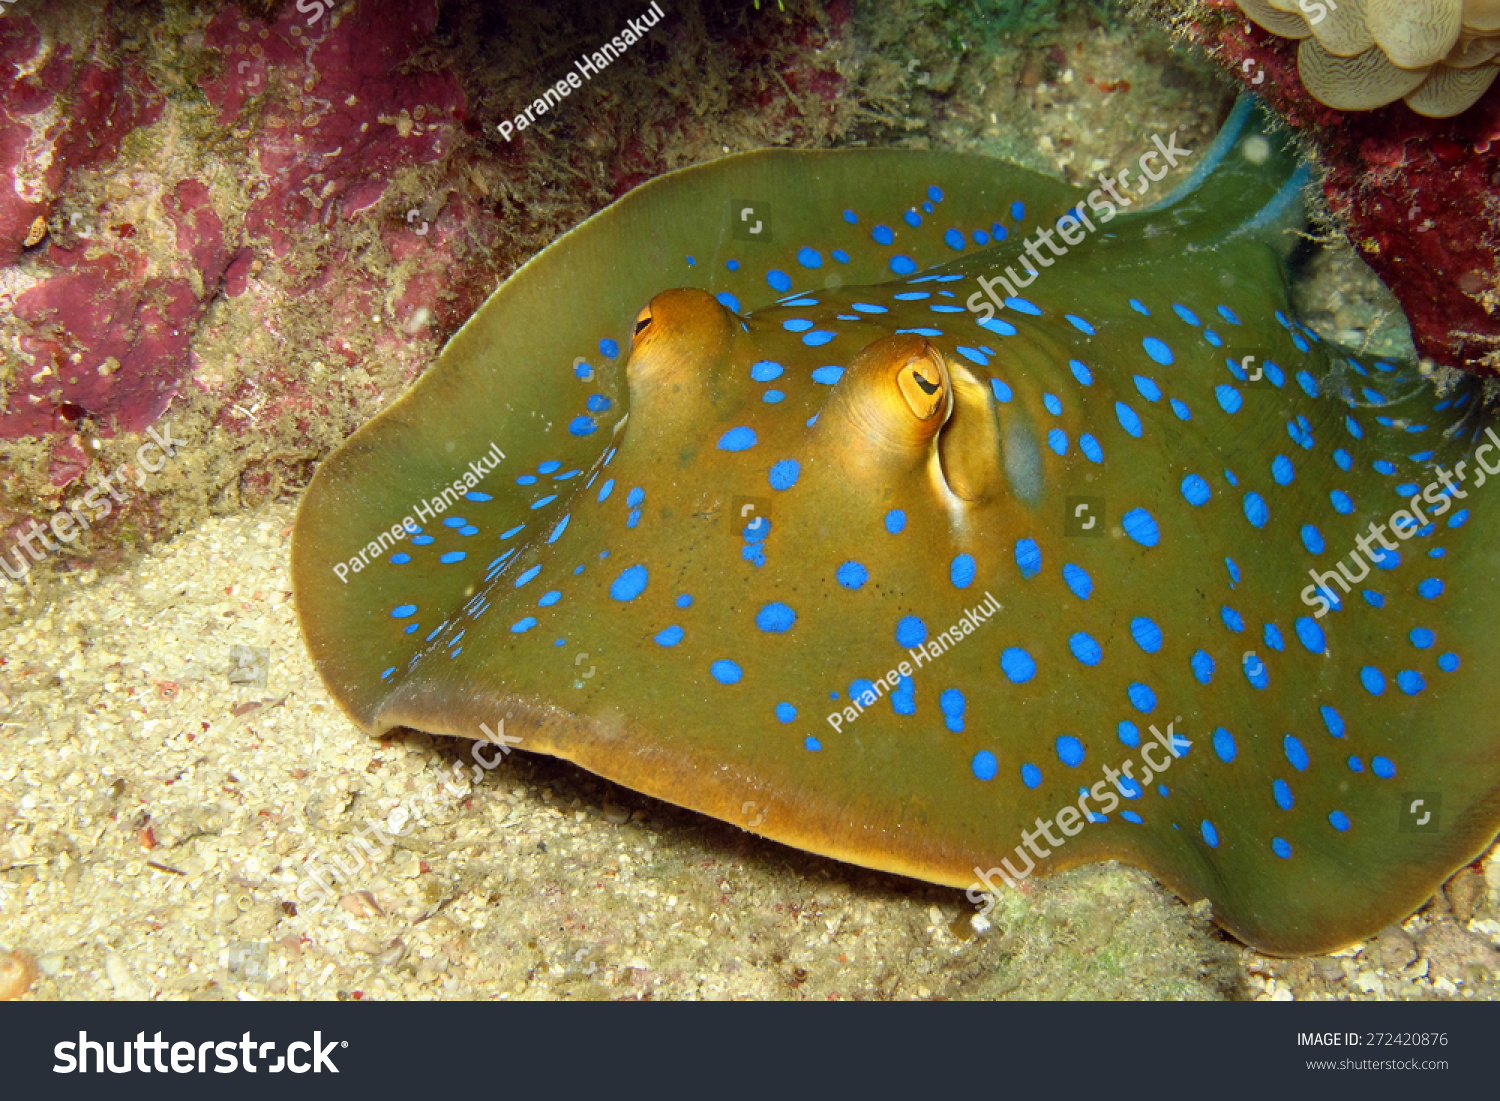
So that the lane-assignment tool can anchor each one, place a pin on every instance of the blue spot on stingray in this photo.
(1210, 835)
(1430, 589)
(1295, 753)
(737, 439)
(451, 557)
(1147, 634)
(771, 397)
(635, 497)
(911, 632)
(1158, 351)
(1018, 210)
(895, 521)
(1332, 720)
(1422, 638)
(785, 712)
(1312, 539)
(1028, 557)
(1031, 776)
(1018, 666)
(1448, 663)
(1002, 391)
(1373, 680)
(520, 627)
(1080, 324)
(954, 239)
(1281, 791)
(1311, 635)
(817, 338)
(729, 300)
(1081, 372)
(608, 348)
(852, 575)
(1203, 666)
(1021, 305)
(1057, 440)
(1148, 388)
(400, 559)
(1382, 767)
(1338, 820)
(581, 426)
(775, 618)
(1256, 511)
(1342, 503)
(997, 325)
(1130, 734)
(784, 474)
(1090, 447)
(1232, 619)
(670, 637)
(1186, 314)
(952, 704)
(827, 375)
(1070, 751)
(780, 281)
(630, 584)
(584, 371)
(796, 324)
(883, 235)
(1224, 745)
(1139, 307)
(1140, 525)
(403, 611)
(1229, 315)
(809, 258)
(725, 672)
(1078, 580)
(1230, 399)
(1195, 490)
(869, 307)
(1410, 681)
(984, 765)
(1053, 404)
(1128, 419)
(851, 217)
(1282, 470)
(1085, 649)
(562, 526)
(1141, 697)
(904, 697)
(962, 571)
(549, 598)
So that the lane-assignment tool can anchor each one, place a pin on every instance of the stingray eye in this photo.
(922, 387)
(642, 321)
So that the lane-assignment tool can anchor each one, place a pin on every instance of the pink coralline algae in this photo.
(1416, 195)
(105, 310)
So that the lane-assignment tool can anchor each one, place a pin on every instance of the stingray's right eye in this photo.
(642, 321)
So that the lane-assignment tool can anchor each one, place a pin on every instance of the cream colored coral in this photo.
(1439, 56)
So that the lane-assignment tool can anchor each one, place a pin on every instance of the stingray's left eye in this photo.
(642, 320)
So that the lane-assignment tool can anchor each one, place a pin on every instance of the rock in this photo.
(1451, 951)
(1465, 893)
(1395, 949)
(125, 984)
(17, 972)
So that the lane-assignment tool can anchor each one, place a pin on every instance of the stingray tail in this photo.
(1251, 178)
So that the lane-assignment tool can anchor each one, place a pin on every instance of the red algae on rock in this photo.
(1416, 195)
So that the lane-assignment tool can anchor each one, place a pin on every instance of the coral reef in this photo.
(1416, 195)
(1437, 55)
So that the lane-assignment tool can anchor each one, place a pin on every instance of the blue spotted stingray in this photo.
(753, 462)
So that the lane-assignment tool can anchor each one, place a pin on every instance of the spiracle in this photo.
(1439, 56)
